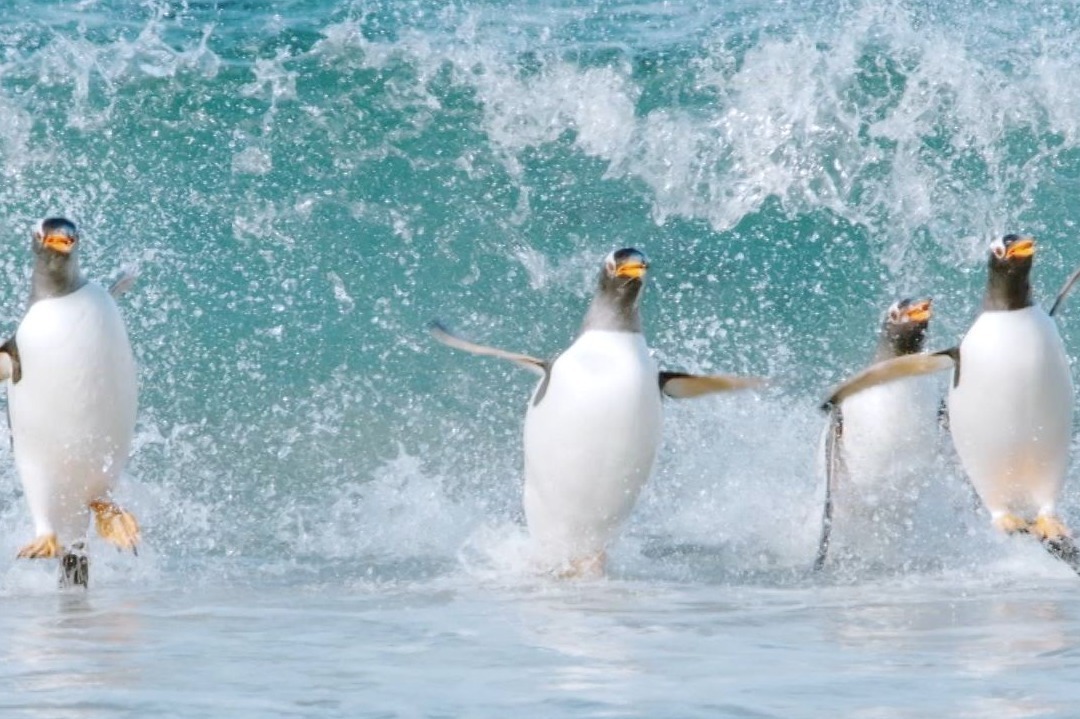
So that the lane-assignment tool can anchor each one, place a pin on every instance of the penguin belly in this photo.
(1011, 411)
(887, 449)
(889, 442)
(591, 436)
(73, 412)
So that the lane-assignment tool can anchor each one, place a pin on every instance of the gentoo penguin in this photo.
(875, 445)
(72, 398)
(1010, 402)
(593, 424)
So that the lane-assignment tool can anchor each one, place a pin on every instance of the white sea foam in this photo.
(848, 118)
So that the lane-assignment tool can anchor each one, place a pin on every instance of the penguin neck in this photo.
(54, 278)
(613, 313)
(899, 341)
(1007, 290)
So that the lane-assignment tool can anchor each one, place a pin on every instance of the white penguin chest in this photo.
(78, 393)
(890, 432)
(1013, 372)
(607, 384)
(1011, 412)
(592, 431)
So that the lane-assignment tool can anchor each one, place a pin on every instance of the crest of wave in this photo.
(889, 120)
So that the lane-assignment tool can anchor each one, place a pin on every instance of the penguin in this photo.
(593, 423)
(72, 399)
(1010, 402)
(874, 446)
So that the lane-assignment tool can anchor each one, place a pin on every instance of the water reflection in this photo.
(71, 640)
(998, 640)
(596, 658)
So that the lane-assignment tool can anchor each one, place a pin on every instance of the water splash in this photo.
(303, 194)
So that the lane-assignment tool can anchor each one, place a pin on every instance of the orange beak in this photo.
(1024, 247)
(920, 311)
(634, 270)
(60, 243)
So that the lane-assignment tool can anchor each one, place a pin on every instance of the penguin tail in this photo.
(75, 567)
(47, 546)
(116, 525)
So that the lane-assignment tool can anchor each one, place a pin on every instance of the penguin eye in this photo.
(894, 314)
(999, 251)
(609, 265)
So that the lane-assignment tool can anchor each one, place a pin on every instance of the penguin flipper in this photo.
(681, 385)
(445, 336)
(123, 283)
(891, 370)
(10, 367)
(115, 524)
(1064, 291)
(834, 469)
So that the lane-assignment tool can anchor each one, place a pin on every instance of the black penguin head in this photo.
(55, 239)
(904, 329)
(624, 273)
(1008, 282)
(1012, 254)
(55, 243)
(615, 304)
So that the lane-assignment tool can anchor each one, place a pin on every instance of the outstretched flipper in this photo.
(891, 370)
(123, 283)
(834, 470)
(442, 334)
(681, 385)
(1064, 291)
(47, 546)
(116, 525)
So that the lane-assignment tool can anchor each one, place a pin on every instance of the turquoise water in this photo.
(331, 502)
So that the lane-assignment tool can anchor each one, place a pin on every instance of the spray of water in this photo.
(300, 198)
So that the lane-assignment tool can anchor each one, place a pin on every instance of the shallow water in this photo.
(331, 502)
(941, 645)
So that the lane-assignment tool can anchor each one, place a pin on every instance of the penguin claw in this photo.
(44, 547)
(1048, 527)
(116, 525)
(1010, 523)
